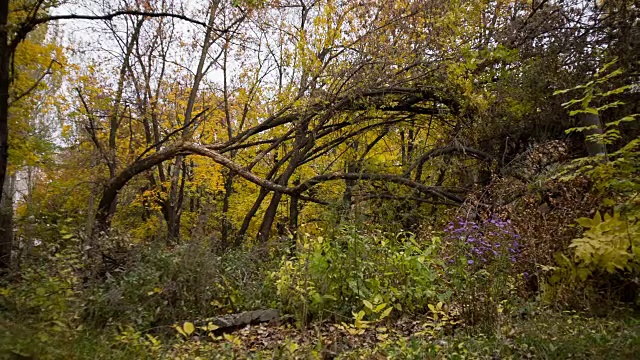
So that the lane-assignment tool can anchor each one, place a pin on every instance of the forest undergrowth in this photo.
(508, 286)
(354, 294)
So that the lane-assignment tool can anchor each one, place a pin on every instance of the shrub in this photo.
(157, 286)
(605, 258)
(332, 277)
(481, 272)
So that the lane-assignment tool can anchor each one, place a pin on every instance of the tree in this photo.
(12, 34)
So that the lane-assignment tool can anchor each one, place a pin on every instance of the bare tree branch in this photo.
(169, 135)
(36, 83)
(26, 27)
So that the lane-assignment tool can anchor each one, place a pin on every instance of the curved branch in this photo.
(430, 190)
(368, 197)
(169, 135)
(349, 102)
(447, 150)
(118, 182)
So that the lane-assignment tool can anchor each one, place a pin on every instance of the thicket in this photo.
(435, 180)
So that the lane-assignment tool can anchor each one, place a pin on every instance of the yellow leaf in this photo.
(188, 328)
(180, 331)
(232, 339)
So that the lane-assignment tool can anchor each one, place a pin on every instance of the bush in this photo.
(330, 278)
(482, 259)
(157, 286)
(40, 312)
(605, 258)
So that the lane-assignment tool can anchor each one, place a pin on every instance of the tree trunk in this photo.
(256, 205)
(294, 213)
(6, 237)
(91, 206)
(176, 191)
(250, 215)
(593, 147)
(270, 216)
(347, 196)
(302, 144)
(226, 223)
(6, 222)
(174, 213)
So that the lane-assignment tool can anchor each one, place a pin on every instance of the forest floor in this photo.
(547, 335)
(544, 334)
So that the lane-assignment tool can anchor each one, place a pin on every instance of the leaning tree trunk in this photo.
(250, 215)
(302, 144)
(270, 216)
(241, 234)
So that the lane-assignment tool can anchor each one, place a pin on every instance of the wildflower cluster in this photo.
(486, 242)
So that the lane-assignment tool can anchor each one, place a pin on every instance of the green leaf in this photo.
(379, 308)
(367, 304)
(385, 313)
(571, 102)
(606, 66)
(608, 106)
(581, 129)
(616, 91)
(557, 92)
(584, 222)
(584, 111)
(609, 76)
(627, 118)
